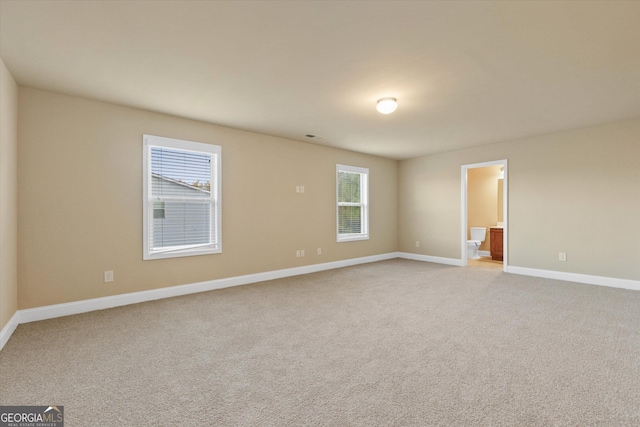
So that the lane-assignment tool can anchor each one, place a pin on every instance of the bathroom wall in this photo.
(482, 200)
(501, 200)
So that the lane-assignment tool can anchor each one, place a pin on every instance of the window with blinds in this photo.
(182, 198)
(352, 203)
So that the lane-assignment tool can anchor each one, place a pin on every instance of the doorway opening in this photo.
(500, 223)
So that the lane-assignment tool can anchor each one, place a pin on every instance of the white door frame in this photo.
(505, 208)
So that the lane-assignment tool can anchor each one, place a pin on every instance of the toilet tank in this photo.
(478, 233)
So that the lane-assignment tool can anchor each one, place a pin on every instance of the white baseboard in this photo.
(77, 307)
(484, 253)
(429, 258)
(576, 277)
(8, 329)
(611, 282)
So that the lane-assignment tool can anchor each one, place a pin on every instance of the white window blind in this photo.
(182, 206)
(352, 203)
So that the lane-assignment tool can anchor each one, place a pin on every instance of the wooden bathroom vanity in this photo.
(496, 237)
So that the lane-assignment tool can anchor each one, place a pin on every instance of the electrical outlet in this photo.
(562, 256)
(108, 276)
(319, 251)
(417, 244)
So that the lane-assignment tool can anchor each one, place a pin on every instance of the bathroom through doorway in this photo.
(484, 228)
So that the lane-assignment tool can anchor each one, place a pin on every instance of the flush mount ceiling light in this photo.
(387, 105)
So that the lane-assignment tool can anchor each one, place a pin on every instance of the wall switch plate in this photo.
(417, 244)
(319, 251)
(562, 256)
(108, 276)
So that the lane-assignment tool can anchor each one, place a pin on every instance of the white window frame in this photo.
(364, 204)
(215, 245)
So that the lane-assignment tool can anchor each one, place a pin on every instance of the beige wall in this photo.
(482, 200)
(80, 183)
(8, 195)
(576, 192)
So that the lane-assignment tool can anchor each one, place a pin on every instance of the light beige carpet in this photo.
(394, 343)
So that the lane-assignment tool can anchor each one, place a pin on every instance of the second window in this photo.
(352, 188)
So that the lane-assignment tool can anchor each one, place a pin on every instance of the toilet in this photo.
(478, 234)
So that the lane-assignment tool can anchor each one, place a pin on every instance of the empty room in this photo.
(319, 213)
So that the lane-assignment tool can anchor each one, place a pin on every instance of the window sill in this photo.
(180, 254)
(352, 237)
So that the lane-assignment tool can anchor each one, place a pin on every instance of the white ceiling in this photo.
(465, 73)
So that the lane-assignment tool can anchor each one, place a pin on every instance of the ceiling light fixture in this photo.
(387, 105)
